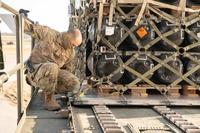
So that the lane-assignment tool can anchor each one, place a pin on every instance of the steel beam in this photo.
(32, 46)
(9, 8)
(19, 54)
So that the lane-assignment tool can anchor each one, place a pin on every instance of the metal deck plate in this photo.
(141, 118)
(44, 126)
(131, 100)
(38, 120)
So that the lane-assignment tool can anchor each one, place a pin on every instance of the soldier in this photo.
(50, 63)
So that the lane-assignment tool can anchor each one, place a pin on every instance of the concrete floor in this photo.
(8, 110)
(8, 116)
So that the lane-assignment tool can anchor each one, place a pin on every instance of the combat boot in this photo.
(50, 103)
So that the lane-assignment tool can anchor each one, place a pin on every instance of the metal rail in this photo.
(8, 8)
(176, 119)
(156, 129)
(134, 119)
(19, 49)
(106, 120)
(19, 57)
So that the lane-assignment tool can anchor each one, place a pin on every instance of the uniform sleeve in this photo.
(70, 63)
(40, 32)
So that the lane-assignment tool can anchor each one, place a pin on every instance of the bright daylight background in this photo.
(53, 13)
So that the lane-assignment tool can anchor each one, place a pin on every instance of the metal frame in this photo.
(19, 68)
(124, 100)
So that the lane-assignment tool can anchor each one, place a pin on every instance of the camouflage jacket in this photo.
(49, 47)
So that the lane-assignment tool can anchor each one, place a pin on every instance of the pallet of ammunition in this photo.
(149, 43)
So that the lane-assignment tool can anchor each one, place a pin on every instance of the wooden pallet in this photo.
(174, 91)
(107, 89)
(190, 91)
(141, 90)
(137, 90)
(195, 7)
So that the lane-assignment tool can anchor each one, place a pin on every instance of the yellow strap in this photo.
(81, 94)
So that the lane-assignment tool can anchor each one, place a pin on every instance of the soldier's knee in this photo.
(52, 69)
(76, 85)
(52, 66)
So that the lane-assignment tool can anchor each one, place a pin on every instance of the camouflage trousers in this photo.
(51, 79)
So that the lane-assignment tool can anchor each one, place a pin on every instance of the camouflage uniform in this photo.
(52, 60)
